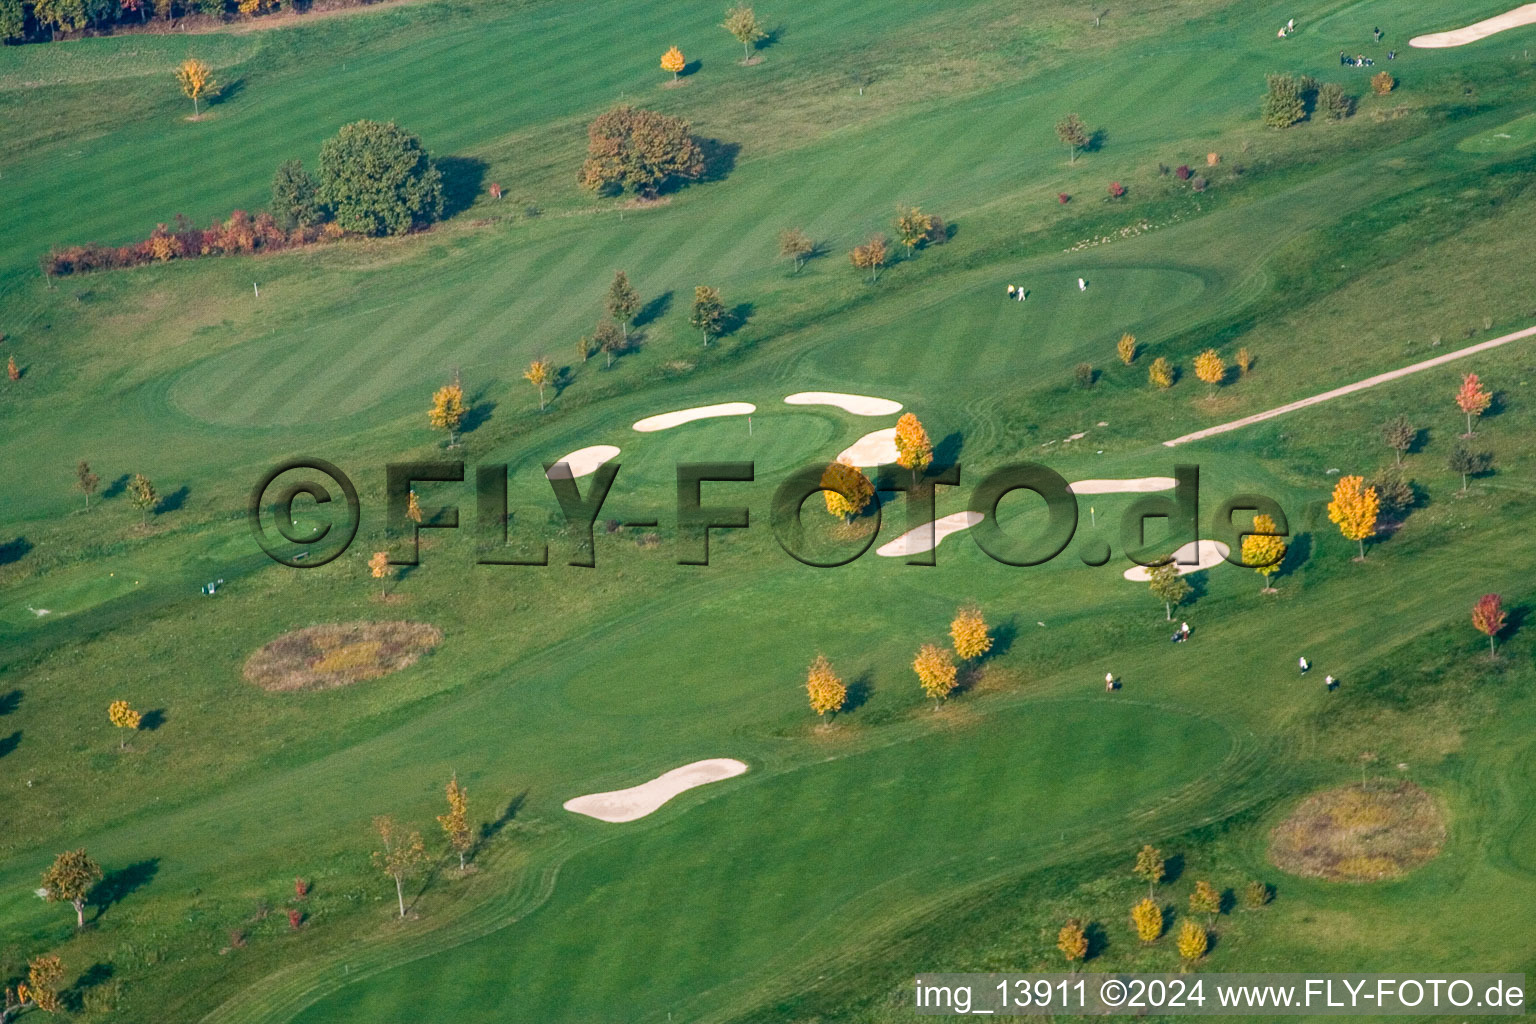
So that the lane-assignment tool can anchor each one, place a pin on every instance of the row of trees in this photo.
(937, 666)
(39, 20)
(1210, 367)
(374, 178)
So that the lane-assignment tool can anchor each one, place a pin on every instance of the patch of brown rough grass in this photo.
(1360, 833)
(339, 654)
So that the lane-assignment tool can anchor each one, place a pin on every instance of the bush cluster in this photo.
(181, 240)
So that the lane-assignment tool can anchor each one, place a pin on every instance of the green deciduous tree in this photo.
(1399, 433)
(708, 313)
(1284, 104)
(1167, 585)
(70, 879)
(295, 196)
(1073, 134)
(379, 180)
(741, 22)
(623, 302)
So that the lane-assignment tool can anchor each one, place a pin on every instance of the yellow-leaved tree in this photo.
(70, 879)
(41, 989)
(1205, 900)
(848, 492)
(1264, 549)
(1073, 943)
(1354, 509)
(673, 61)
(196, 81)
(1125, 348)
(413, 508)
(1160, 374)
(121, 714)
(741, 22)
(448, 410)
(456, 822)
(1210, 368)
(1147, 918)
(378, 565)
(913, 449)
(825, 690)
(403, 855)
(1193, 942)
(539, 373)
(969, 631)
(1150, 867)
(913, 226)
(936, 671)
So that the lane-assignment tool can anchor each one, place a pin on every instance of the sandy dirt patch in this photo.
(1360, 833)
(584, 461)
(638, 801)
(859, 405)
(1211, 553)
(1145, 483)
(667, 420)
(339, 654)
(873, 449)
(1524, 15)
(929, 535)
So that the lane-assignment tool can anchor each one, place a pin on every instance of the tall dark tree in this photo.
(295, 196)
(623, 301)
(1399, 434)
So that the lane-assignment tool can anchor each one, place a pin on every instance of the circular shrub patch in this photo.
(339, 654)
(1360, 833)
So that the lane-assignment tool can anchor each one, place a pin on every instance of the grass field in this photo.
(899, 839)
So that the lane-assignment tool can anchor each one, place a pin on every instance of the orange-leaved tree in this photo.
(1489, 617)
(196, 81)
(1072, 940)
(935, 668)
(969, 632)
(455, 823)
(824, 689)
(847, 490)
(41, 989)
(913, 449)
(378, 565)
(870, 256)
(1472, 399)
(413, 507)
(1264, 549)
(1354, 509)
(673, 61)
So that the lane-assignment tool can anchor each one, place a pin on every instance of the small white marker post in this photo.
(255, 289)
(1093, 516)
(749, 426)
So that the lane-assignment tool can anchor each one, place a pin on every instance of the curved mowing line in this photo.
(1349, 389)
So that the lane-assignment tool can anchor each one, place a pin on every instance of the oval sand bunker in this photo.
(1211, 553)
(859, 405)
(1524, 15)
(667, 420)
(584, 461)
(929, 535)
(873, 449)
(638, 801)
(1136, 486)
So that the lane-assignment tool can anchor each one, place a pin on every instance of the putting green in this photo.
(70, 591)
(1511, 135)
(979, 333)
(715, 886)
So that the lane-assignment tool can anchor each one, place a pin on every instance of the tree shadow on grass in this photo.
(98, 973)
(226, 92)
(116, 487)
(690, 69)
(719, 158)
(653, 310)
(1098, 939)
(1097, 139)
(947, 451)
(14, 550)
(173, 501)
(9, 702)
(118, 885)
(491, 829)
(736, 318)
(1296, 554)
(859, 692)
(480, 409)
(1173, 869)
(10, 743)
(1003, 636)
(463, 177)
(152, 720)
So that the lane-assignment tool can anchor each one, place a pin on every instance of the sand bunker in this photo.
(638, 801)
(859, 405)
(1211, 553)
(876, 449)
(338, 654)
(1146, 483)
(667, 420)
(584, 461)
(929, 535)
(1524, 15)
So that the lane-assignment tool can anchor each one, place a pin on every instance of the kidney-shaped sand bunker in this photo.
(339, 654)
